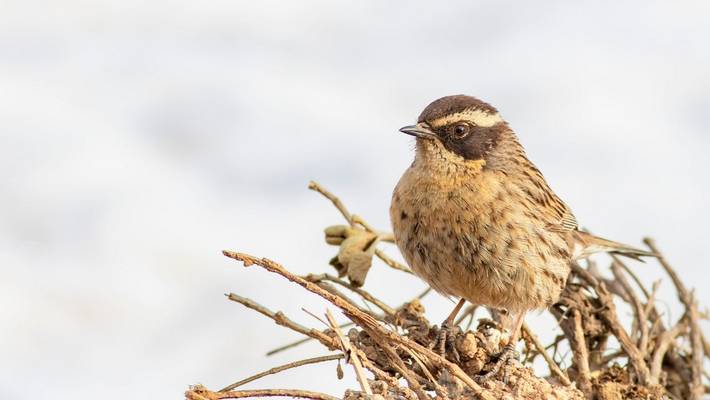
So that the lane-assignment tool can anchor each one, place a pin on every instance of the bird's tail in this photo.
(587, 244)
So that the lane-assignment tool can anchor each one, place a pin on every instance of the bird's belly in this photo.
(475, 248)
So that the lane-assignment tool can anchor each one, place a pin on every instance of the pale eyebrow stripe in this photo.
(478, 117)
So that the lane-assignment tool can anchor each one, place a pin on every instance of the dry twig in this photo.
(696, 337)
(200, 393)
(365, 320)
(354, 220)
(395, 346)
(352, 356)
(554, 368)
(281, 319)
(280, 368)
(389, 311)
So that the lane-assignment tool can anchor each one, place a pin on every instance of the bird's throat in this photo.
(434, 158)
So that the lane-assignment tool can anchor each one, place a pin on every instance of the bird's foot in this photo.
(446, 340)
(505, 357)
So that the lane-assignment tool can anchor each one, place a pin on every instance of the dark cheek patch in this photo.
(475, 146)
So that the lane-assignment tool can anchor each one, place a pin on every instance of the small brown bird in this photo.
(475, 219)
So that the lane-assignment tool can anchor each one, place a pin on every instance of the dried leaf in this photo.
(339, 371)
(357, 247)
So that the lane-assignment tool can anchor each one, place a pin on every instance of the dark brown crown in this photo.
(453, 104)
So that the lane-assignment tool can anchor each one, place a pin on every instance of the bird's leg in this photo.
(508, 354)
(447, 332)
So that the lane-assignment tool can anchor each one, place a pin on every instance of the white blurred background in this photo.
(138, 139)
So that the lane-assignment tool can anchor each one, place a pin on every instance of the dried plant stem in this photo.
(653, 359)
(331, 288)
(324, 339)
(392, 263)
(357, 220)
(610, 318)
(284, 367)
(300, 342)
(387, 237)
(469, 311)
(334, 199)
(608, 315)
(353, 358)
(683, 294)
(641, 321)
(696, 337)
(424, 368)
(632, 275)
(385, 377)
(554, 368)
(663, 344)
(365, 320)
(282, 320)
(200, 393)
(406, 374)
(363, 293)
(580, 354)
(345, 325)
(697, 389)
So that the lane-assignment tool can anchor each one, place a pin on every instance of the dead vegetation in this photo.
(390, 350)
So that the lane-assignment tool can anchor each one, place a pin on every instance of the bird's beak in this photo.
(420, 130)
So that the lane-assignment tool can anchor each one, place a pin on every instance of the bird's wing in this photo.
(586, 244)
(563, 220)
(558, 218)
(552, 211)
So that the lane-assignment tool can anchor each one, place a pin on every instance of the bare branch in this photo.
(357, 220)
(300, 342)
(697, 390)
(355, 289)
(469, 311)
(282, 320)
(664, 342)
(554, 368)
(334, 199)
(284, 367)
(353, 358)
(698, 342)
(392, 263)
(608, 315)
(201, 393)
(639, 310)
(395, 344)
(365, 320)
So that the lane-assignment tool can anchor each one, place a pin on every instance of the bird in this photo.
(476, 220)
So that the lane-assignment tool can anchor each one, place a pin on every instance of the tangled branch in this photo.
(391, 349)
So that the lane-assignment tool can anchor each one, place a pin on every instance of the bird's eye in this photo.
(460, 131)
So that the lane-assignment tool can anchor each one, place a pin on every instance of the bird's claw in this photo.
(446, 339)
(507, 356)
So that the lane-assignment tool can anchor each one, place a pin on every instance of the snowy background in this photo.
(137, 140)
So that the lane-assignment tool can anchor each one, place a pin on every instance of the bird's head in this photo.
(459, 127)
